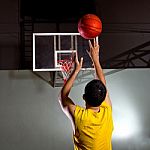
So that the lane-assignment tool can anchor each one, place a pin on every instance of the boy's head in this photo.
(94, 93)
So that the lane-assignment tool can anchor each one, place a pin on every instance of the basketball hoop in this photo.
(66, 68)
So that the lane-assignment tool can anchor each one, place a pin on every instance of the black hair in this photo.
(94, 93)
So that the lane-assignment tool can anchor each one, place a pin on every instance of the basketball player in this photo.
(92, 125)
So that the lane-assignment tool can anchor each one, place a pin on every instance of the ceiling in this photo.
(124, 38)
(126, 26)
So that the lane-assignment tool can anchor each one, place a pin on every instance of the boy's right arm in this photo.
(94, 54)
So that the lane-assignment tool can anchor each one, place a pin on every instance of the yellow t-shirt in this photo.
(93, 129)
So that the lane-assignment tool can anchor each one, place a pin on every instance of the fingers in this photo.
(95, 43)
(80, 64)
(90, 44)
(81, 61)
(77, 61)
(96, 40)
(76, 57)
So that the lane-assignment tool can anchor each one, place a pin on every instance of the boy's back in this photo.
(93, 129)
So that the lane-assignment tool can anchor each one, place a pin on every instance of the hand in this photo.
(78, 65)
(94, 50)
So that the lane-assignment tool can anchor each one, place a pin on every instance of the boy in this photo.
(93, 125)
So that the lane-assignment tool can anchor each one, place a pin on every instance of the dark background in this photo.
(124, 40)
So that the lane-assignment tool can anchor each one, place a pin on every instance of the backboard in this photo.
(49, 48)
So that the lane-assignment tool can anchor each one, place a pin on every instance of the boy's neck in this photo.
(95, 109)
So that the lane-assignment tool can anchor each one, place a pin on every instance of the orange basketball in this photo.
(90, 26)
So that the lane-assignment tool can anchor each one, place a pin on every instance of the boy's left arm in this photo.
(65, 101)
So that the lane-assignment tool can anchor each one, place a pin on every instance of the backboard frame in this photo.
(56, 51)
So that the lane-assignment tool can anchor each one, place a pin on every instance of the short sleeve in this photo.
(105, 104)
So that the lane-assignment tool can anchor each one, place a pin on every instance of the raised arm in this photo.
(94, 54)
(66, 103)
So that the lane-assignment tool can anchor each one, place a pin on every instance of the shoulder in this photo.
(106, 110)
(75, 110)
(105, 104)
(108, 100)
(79, 109)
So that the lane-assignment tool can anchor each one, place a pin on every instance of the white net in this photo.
(66, 68)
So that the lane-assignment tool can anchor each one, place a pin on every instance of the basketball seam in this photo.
(85, 24)
(91, 27)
